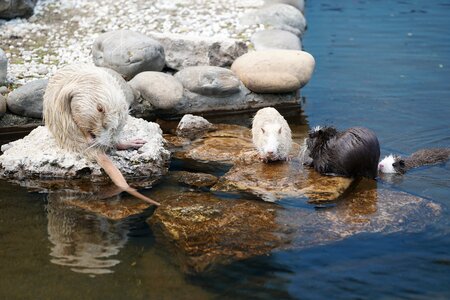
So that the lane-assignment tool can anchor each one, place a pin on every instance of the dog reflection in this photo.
(82, 241)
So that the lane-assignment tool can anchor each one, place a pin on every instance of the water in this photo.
(380, 64)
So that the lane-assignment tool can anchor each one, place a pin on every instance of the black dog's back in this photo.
(355, 153)
(352, 153)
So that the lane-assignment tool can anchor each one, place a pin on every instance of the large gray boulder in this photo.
(155, 90)
(209, 81)
(186, 51)
(128, 53)
(10, 9)
(275, 39)
(27, 100)
(3, 67)
(277, 16)
(38, 156)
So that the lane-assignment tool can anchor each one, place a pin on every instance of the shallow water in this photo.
(380, 64)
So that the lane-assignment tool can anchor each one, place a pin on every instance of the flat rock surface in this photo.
(277, 180)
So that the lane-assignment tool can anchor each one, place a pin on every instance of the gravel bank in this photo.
(62, 32)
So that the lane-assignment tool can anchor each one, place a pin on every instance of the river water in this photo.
(379, 64)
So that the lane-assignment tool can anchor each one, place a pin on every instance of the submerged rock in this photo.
(277, 180)
(205, 231)
(38, 156)
(194, 179)
(221, 146)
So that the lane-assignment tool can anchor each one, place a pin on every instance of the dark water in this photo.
(380, 64)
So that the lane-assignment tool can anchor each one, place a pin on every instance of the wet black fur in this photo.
(354, 152)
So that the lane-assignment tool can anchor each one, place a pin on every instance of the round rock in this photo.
(3, 66)
(128, 53)
(274, 71)
(298, 4)
(275, 39)
(27, 100)
(209, 80)
(158, 90)
(277, 16)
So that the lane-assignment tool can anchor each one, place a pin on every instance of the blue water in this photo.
(379, 64)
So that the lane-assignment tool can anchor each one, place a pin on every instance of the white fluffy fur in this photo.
(84, 100)
(271, 134)
(385, 165)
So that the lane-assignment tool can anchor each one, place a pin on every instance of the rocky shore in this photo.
(176, 57)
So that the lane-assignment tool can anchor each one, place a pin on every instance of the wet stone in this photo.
(204, 231)
(115, 207)
(192, 127)
(194, 179)
(277, 180)
(221, 146)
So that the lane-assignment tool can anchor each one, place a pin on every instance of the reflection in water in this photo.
(83, 241)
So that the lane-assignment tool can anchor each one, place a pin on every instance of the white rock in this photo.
(37, 155)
